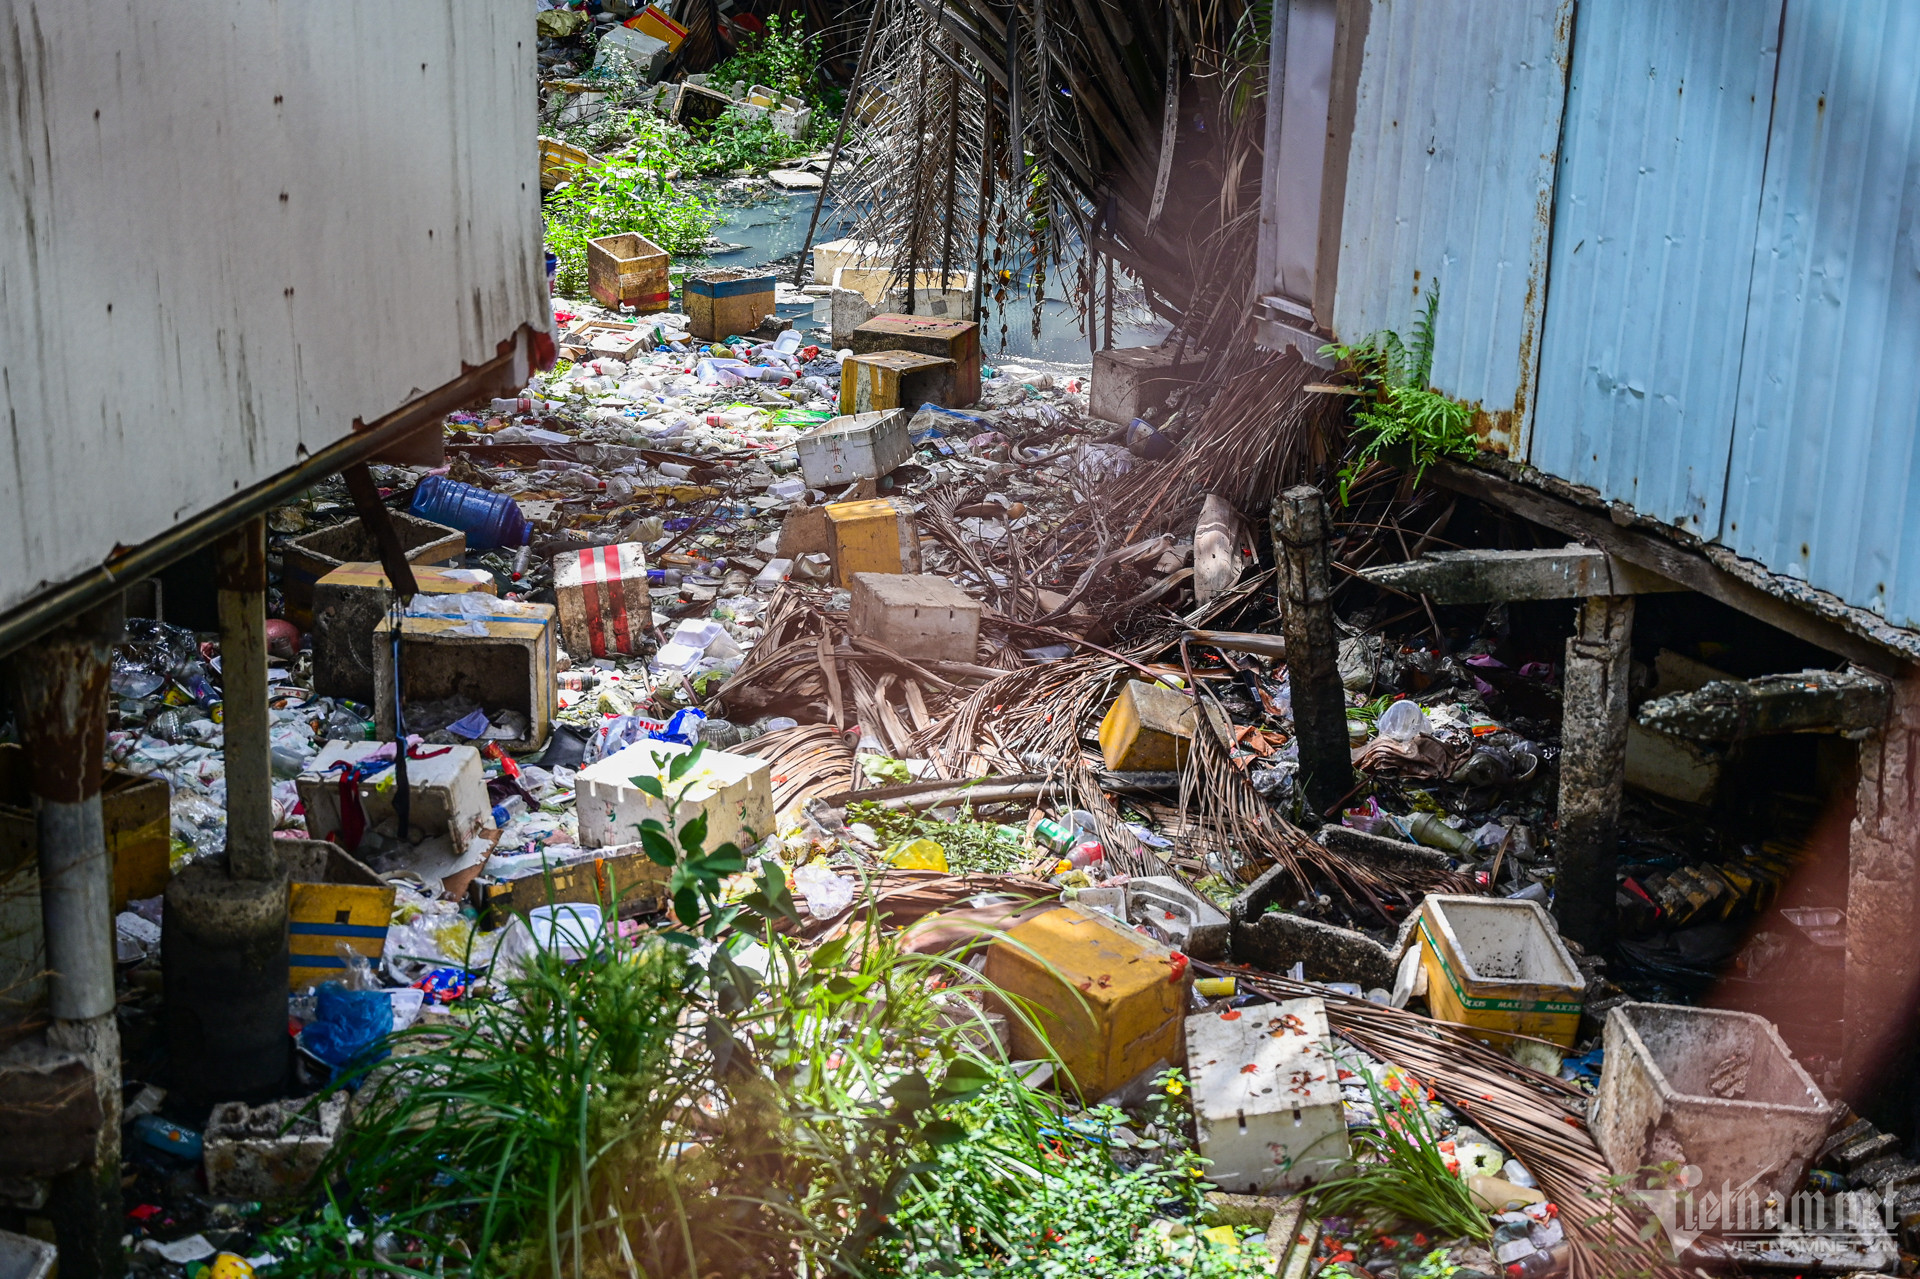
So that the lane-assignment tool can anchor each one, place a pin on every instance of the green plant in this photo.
(625, 193)
(784, 57)
(1402, 1176)
(735, 141)
(1397, 406)
(970, 845)
(1029, 1193)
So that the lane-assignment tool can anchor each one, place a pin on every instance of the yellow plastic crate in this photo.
(873, 536)
(1111, 1001)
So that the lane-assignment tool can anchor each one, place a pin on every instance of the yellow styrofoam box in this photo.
(323, 917)
(1150, 727)
(877, 535)
(1500, 968)
(1111, 1001)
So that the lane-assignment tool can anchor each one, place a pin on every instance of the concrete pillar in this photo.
(1593, 769)
(1883, 895)
(63, 706)
(1300, 528)
(223, 948)
(240, 569)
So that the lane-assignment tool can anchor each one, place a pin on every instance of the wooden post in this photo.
(1593, 768)
(1300, 527)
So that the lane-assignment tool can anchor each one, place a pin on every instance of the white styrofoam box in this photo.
(917, 615)
(1266, 1096)
(1195, 925)
(735, 792)
(448, 790)
(834, 254)
(647, 54)
(855, 446)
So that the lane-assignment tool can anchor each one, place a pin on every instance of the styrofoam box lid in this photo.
(1285, 1044)
(715, 771)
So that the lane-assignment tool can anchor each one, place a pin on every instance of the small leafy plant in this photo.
(1402, 1176)
(785, 57)
(1397, 406)
(630, 192)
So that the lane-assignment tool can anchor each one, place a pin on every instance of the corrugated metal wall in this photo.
(1664, 149)
(1825, 469)
(1450, 180)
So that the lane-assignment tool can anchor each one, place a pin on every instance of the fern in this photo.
(1397, 405)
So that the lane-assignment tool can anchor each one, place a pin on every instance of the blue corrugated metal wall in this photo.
(1661, 162)
(1825, 469)
(1450, 178)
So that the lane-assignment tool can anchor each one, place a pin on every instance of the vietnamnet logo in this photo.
(1818, 1222)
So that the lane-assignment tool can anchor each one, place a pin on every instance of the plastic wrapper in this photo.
(827, 894)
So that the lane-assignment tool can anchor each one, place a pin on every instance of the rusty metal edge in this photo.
(55, 605)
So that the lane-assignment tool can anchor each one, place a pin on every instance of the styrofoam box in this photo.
(855, 446)
(735, 792)
(448, 790)
(1266, 1096)
(917, 615)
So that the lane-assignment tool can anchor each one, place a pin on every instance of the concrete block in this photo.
(942, 337)
(734, 791)
(50, 1113)
(1195, 925)
(1266, 1096)
(874, 536)
(271, 1151)
(502, 661)
(854, 446)
(311, 556)
(1150, 727)
(1707, 1087)
(643, 52)
(861, 293)
(1110, 1001)
(805, 531)
(1129, 380)
(601, 596)
(1500, 968)
(896, 380)
(722, 302)
(448, 790)
(348, 603)
(916, 615)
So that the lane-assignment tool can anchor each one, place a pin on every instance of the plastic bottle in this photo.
(490, 520)
(1434, 833)
(1086, 854)
(164, 1134)
(663, 577)
(522, 404)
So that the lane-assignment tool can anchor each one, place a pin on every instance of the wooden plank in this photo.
(1689, 568)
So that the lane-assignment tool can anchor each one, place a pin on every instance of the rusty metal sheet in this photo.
(1450, 182)
(1659, 192)
(230, 229)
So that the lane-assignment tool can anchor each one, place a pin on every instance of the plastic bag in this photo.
(1403, 721)
(826, 893)
(348, 1023)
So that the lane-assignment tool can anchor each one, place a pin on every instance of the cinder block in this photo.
(508, 665)
(917, 615)
(734, 791)
(347, 604)
(1150, 728)
(448, 791)
(895, 380)
(1266, 1096)
(873, 536)
(601, 595)
(312, 556)
(722, 302)
(268, 1152)
(854, 446)
(1711, 1088)
(1109, 1000)
(945, 337)
(1129, 380)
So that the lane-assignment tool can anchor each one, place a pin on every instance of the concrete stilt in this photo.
(224, 943)
(1593, 769)
(1300, 527)
(63, 703)
(1883, 894)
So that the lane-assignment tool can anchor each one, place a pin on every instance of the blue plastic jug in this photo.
(489, 520)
